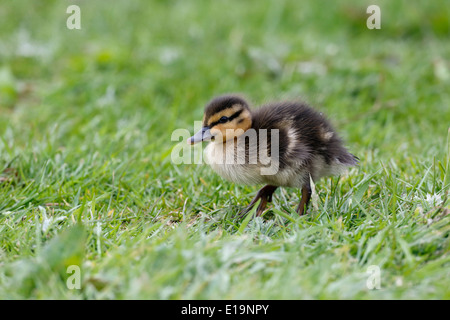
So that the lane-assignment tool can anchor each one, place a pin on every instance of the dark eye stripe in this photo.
(235, 115)
(231, 118)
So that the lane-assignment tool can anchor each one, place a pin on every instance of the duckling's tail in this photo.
(349, 159)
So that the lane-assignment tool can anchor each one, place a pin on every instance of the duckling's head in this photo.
(226, 117)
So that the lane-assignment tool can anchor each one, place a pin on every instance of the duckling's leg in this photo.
(306, 196)
(265, 194)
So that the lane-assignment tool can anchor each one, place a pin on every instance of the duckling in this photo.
(284, 144)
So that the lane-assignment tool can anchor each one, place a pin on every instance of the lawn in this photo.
(87, 179)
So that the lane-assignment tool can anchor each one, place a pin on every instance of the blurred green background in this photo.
(85, 123)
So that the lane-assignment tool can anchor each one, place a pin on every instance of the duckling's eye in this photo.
(223, 119)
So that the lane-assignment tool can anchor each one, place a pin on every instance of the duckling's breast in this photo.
(228, 162)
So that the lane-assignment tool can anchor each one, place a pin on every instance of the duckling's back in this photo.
(307, 141)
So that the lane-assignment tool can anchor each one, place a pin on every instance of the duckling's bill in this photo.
(203, 135)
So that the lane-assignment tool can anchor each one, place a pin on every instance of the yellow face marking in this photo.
(244, 121)
(234, 128)
(227, 113)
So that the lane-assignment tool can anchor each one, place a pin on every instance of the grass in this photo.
(86, 176)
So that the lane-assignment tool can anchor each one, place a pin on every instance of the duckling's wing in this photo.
(304, 133)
